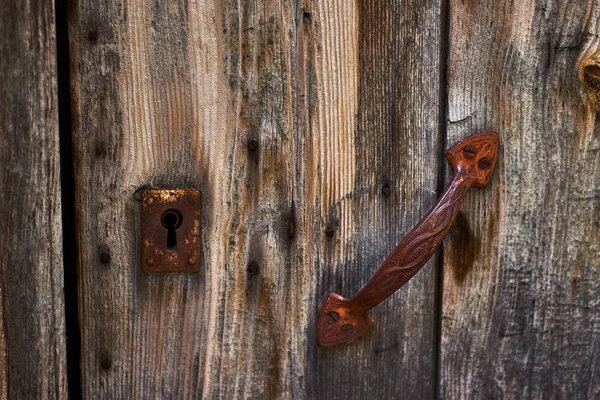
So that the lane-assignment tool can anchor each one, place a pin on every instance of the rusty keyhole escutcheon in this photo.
(171, 230)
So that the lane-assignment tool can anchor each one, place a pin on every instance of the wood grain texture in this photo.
(377, 199)
(341, 99)
(32, 336)
(522, 270)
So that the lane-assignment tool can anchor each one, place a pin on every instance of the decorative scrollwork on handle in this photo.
(341, 320)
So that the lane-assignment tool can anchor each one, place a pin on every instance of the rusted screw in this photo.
(330, 230)
(192, 260)
(252, 144)
(150, 261)
(93, 35)
(470, 152)
(386, 190)
(192, 200)
(104, 258)
(332, 318)
(106, 364)
(347, 330)
(101, 151)
(484, 163)
(150, 200)
(253, 267)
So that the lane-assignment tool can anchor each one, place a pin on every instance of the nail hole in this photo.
(105, 258)
(330, 230)
(252, 144)
(253, 267)
(93, 35)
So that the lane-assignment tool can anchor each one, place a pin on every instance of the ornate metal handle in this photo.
(342, 320)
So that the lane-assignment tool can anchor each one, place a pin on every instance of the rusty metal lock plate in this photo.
(171, 230)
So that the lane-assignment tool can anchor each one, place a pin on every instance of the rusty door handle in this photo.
(342, 320)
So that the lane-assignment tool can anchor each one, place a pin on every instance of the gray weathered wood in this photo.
(378, 189)
(32, 333)
(342, 98)
(521, 310)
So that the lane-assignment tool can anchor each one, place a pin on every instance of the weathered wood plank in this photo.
(341, 99)
(379, 177)
(32, 345)
(521, 315)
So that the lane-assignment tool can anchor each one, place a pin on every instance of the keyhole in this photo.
(171, 220)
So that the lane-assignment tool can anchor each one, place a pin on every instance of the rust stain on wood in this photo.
(464, 250)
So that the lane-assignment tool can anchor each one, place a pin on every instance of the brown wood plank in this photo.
(342, 101)
(521, 314)
(391, 165)
(32, 337)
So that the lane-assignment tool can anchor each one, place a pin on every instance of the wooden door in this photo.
(314, 131)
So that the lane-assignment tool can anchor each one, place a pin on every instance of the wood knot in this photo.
(589, 73)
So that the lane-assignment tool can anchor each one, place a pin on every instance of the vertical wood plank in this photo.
(32, 337)
(291, 118)
(148, 112)
(522, 274)
(378, 178)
